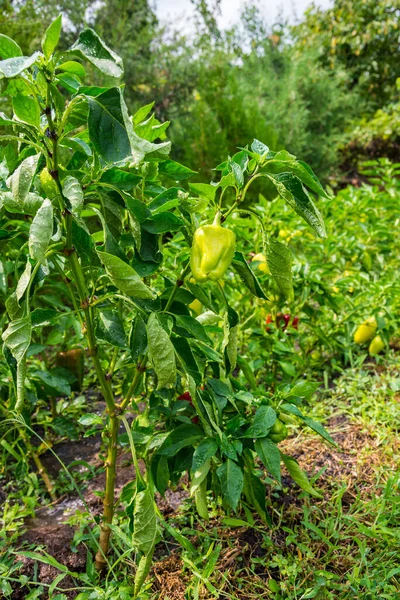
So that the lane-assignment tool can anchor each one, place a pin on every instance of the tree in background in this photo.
(360, 36)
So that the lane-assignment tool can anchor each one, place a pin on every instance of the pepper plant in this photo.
(101, 232)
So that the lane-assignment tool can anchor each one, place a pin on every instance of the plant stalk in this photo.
(108, 503)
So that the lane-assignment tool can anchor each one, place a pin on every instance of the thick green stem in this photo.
(79, 280)
(108, 502)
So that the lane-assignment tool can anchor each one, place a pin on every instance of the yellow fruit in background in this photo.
(196, 306)
(376, 346)
(285, 234)
(263, 265)
(365, 332)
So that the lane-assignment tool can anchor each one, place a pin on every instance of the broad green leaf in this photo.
(106, 126)
(315, 426)
(255, 493)
(193, 327)
(27, 109)
(292, 191)
(41, 231)
(299, 476)
(204, 190)
(185, 353)
(247, 276)
(142, 113)
(264, 419)
(182, 436)
(162, 223)
(259, 148)
(23, 281)
(57, 386)
(17, 337)
(72, 67)
(92, 47)
(11, 67)
(124, 277)
(270, 456)
(231, 479)
(138, 338)
(279, 259)
(204, 451)
(21, 179)
(139, 146)
(90, 419)
(304, 389)
(110, 328)
(175, 170)
(161, 352)
(51, 37)
(144, 521)
(8, 48)
(72, 191)
(199, 475)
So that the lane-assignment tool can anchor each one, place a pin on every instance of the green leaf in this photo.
(161, 352)
(11, 67)
(57, 386)
(175, 170)
(124, 277)
(90, 419)
(231, 479)
(144, 522)
(162, 223)
(193, 327)
(110, 328)
(182, 436)
(41, 231)
(72, 191)
(279, 259)
(142, 113)
(198, 476)
(270, 456)
(21, 179)
(247, 276)
(299, 476)
(27, 109)
(106, 125)
(255, 493)
(204, 451)
(304, 389)
(51, 37)
(292, 191)
(264, 420)
(204, 190)
(185, 353)
(8, 48)
(138, 338)
(93, 49)
(72, 67)
(17, 337)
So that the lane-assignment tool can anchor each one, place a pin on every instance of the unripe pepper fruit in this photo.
(278, 432)
(212, 251)
(48, 184)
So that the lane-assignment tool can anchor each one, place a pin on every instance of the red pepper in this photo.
(295, 323)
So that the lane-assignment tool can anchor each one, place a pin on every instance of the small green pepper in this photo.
(212, 251)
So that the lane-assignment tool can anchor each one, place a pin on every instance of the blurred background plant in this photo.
(324, 88)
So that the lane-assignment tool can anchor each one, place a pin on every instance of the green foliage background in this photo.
(308, 88)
